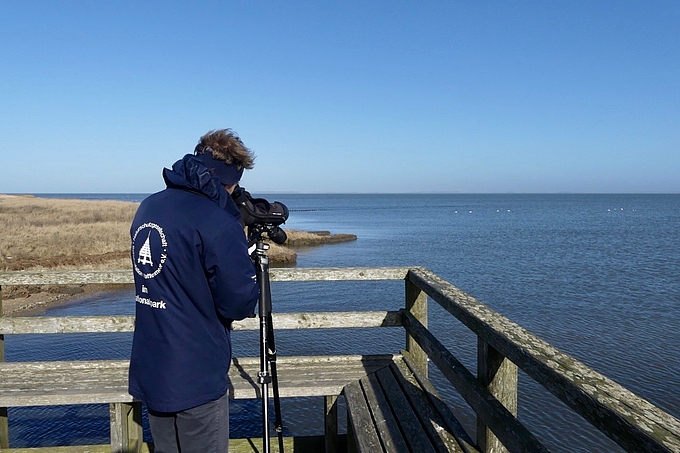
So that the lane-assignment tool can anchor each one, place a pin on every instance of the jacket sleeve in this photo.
(230, 272)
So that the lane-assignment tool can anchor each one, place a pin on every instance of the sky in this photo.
(344, 96)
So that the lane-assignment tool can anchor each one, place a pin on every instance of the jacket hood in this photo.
(190, 173)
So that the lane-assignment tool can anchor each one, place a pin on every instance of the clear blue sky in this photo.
(344, 96)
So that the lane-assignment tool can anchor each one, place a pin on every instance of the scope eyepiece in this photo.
(259, 210)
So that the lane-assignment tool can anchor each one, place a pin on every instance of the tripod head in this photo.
(257, 231)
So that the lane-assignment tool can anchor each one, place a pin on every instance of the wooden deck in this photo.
(389, 399)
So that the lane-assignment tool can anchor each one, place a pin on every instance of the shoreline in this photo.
(61, 234)
(29, 300)
(38, 303)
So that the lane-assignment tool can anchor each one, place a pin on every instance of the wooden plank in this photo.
(281, 321)
(514, 436)
(66, 324)
(414, 433)
(362, 434)
(295, 274)
(301, 376)
(385, 422)
(433, 407)
(331, 423)
(125, 276)
(631, 421)
(122, 276)
(328, 320)
(88, 382)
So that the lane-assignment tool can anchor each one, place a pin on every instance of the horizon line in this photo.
(364, 193)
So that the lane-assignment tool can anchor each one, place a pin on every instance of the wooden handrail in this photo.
(629, 420)
(509, 430)
(282, 321)
(123, 276)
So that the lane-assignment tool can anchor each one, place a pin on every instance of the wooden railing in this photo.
(491, 391)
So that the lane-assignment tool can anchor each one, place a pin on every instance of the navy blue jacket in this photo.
(193, 276)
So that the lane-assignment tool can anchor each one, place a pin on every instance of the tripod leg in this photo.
(278, 422)
(265, 380)
(267, 349)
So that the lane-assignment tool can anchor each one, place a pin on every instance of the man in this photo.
(193, 276)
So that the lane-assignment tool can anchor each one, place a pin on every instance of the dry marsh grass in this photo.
(40, 233)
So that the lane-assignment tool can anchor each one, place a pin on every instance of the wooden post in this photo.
(499, 376)
(4, 426)
(331, 423)
(126, 427)
(416, 303)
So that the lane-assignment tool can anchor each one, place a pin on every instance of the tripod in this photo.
(267, 374)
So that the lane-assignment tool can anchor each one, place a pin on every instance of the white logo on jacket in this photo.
(149, 250)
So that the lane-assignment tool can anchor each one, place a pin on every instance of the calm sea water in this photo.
(598, 276)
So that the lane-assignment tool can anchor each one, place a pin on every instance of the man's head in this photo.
(223, 152)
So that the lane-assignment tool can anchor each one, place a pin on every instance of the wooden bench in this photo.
(397, 410)
(105, 382)
(54, 383)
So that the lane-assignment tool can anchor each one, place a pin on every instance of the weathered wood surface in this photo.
(416, 304)
(10, 325)
(629, 420)
(60, 383)
(500, 377)
(328, 320)
(362, 432)
(405, 418)
(127, 433)
(435, 414)
(124, 276)
(331, 423)
(65, 277)
(105, 381)
(514, 436)
(282, 321)
(389, 411)
(335, 274)
(307, 375)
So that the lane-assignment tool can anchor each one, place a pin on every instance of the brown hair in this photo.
(227, 146)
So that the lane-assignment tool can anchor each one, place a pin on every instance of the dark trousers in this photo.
(201, 429)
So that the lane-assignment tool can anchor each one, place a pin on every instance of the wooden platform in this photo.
(105, 382)
(390, 402)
